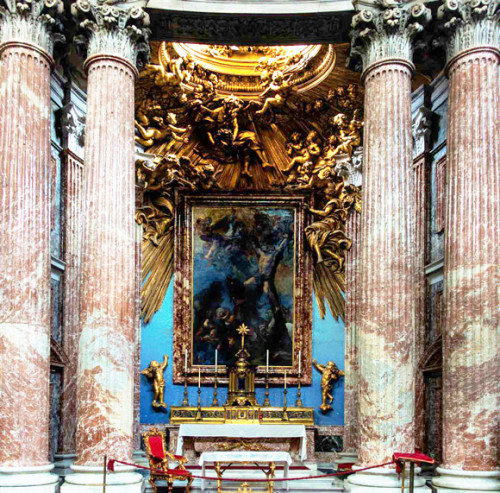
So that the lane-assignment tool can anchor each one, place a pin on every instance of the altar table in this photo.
(243, 456)
(243, 431)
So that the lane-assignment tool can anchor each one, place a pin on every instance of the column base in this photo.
(89, 479)
(382, 481)
(453, 480)
(34, 479)
(63, 463)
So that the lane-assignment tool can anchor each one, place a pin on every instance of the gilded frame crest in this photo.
(187, 207)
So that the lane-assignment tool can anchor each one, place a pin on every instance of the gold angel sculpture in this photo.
(155, 371)
(169, 73)
(327, 237)
(330, 374)
(151, 135)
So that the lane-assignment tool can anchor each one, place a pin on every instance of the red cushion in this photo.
(413, 457)
(346, 466)
(156, 446)
(178, 472)
(179, 457)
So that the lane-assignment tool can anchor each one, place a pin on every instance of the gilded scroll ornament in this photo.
(331, 374)
(155, 372)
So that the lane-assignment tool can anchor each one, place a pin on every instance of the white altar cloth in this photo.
(243, 431)
(245, 456)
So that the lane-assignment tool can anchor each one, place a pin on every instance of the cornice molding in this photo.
(249, 29)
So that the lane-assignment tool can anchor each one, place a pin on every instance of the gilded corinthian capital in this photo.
(470, 24)
(107, 29)
(385, 30)
(31, 21)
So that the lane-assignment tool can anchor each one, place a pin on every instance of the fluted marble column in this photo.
(25, 64)
(471, 336)
(105, 380)
(388, 300)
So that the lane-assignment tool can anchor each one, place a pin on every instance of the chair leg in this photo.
(170, 485)
(153, 485)
(188, 486)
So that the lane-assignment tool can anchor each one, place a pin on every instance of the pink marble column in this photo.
(25, 326)
(352, 312)
(471, 335)
(386, 326)
(105, 379)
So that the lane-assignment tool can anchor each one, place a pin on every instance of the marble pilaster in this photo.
(105, 380)
(421, 133)
(73, 127)
(352, 312)
(386, 327)
(471, 335)
(26, 40)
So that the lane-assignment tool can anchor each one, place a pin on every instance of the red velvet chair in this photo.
(159, 457)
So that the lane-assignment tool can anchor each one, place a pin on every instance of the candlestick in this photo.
(266, 400)
(198, 412)
(267, 361)
(215, 401)
(285, 392)
(185, 401)
(298, 402)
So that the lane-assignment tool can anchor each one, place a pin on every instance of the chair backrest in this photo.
(154, 441)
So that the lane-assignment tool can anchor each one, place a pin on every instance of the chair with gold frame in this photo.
(159, 457)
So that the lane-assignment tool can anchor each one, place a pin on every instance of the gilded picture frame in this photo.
(241, 259)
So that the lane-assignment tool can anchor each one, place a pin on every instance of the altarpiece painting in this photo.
(241, 259)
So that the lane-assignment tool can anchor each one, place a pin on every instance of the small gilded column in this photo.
(386, 327)
(105, 377)
(26, 41)
(471, 335)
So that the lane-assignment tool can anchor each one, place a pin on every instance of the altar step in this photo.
(319, 485)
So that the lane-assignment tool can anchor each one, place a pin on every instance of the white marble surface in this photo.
(243, 431)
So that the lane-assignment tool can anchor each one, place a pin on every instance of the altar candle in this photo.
(300, 354)
(267, 361)
(186, 360)
(216, 354)
(285, 379)
(199, 377)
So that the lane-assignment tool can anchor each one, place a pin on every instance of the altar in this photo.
(249, 437)
(195, 439)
